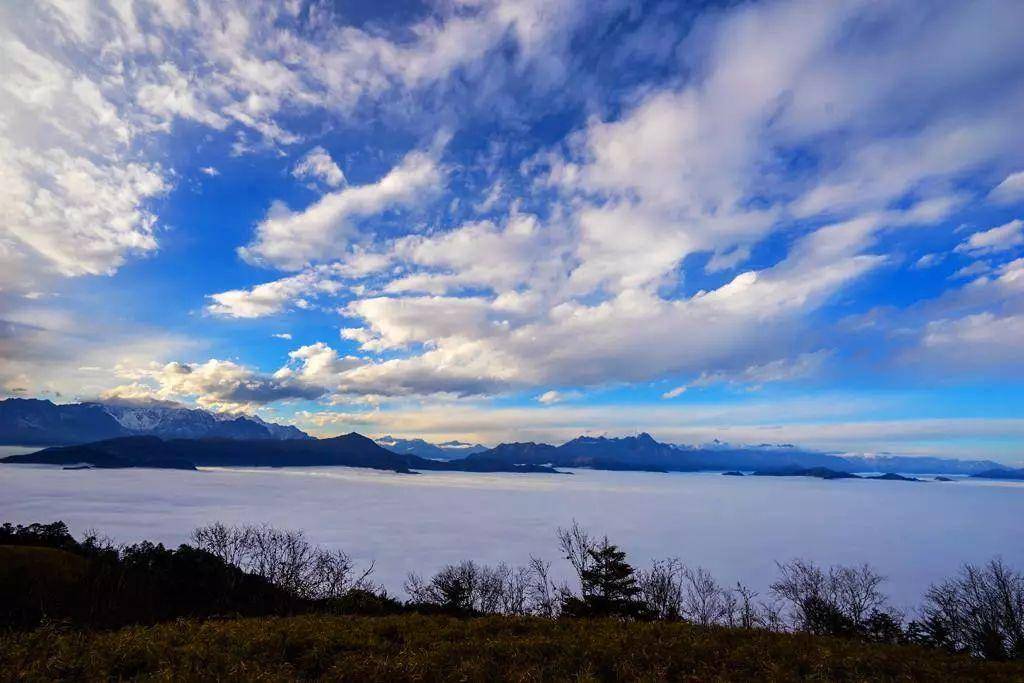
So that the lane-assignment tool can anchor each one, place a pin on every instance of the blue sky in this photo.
(759, 221)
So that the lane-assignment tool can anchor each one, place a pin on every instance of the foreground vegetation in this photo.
(253, 601)
(428, 648)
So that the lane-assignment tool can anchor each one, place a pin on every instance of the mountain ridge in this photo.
(447, 450)
(642, 452)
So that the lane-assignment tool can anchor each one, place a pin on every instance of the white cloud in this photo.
(978, 342)
(553, 396)
(928, 261)
(49, 350)
(273, 297)
(282, 335)
(323, 231)
(209, 170)
(589, 294)
(673, 393)
(296, 291)
(219, 385)
(1003, 238)
(317, 164)
(1010, 190)
(970, 270)
(86, 87)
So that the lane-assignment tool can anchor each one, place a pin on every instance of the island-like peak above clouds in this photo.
(35, 421)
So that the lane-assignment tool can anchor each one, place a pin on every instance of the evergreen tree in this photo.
(609, 585)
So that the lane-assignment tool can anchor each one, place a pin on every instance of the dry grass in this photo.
(434, 648)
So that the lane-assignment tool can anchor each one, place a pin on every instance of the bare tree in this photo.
(980, 611)
(284, 558)
(857, 591)
(542, 594)
(578, 547)
(661, 588)
(836, 601)
(747, 611)
(229, 543)
(515, 599)
(704, 600)
(471, 587)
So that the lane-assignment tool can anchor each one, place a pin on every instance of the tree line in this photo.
(259, 570)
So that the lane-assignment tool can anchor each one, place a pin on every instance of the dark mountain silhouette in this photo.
(29, 421)
(1002, 473)
(892, 476)
(350, 450)
(643, 452)
(26, 421)
(816, 472)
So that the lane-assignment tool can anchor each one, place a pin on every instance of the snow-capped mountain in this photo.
(193, 423)
(32, 421)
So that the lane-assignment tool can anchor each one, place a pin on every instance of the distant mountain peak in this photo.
(449, 450)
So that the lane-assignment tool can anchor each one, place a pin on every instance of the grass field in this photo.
(433, 648)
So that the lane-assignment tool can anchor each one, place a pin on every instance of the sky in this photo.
(779, 221)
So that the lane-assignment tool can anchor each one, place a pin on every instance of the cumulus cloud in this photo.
(219, 385)
(317, 164)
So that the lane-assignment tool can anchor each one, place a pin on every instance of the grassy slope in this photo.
(427, 648)
(57, 564)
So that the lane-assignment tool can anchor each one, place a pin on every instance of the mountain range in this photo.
(29, 421)
(350, 450)
(185, 436)
(448, 450)
(643, 452)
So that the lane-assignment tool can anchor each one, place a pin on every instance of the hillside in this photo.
(435, 648)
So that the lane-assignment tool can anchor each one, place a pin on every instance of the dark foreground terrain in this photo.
(432, 648)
